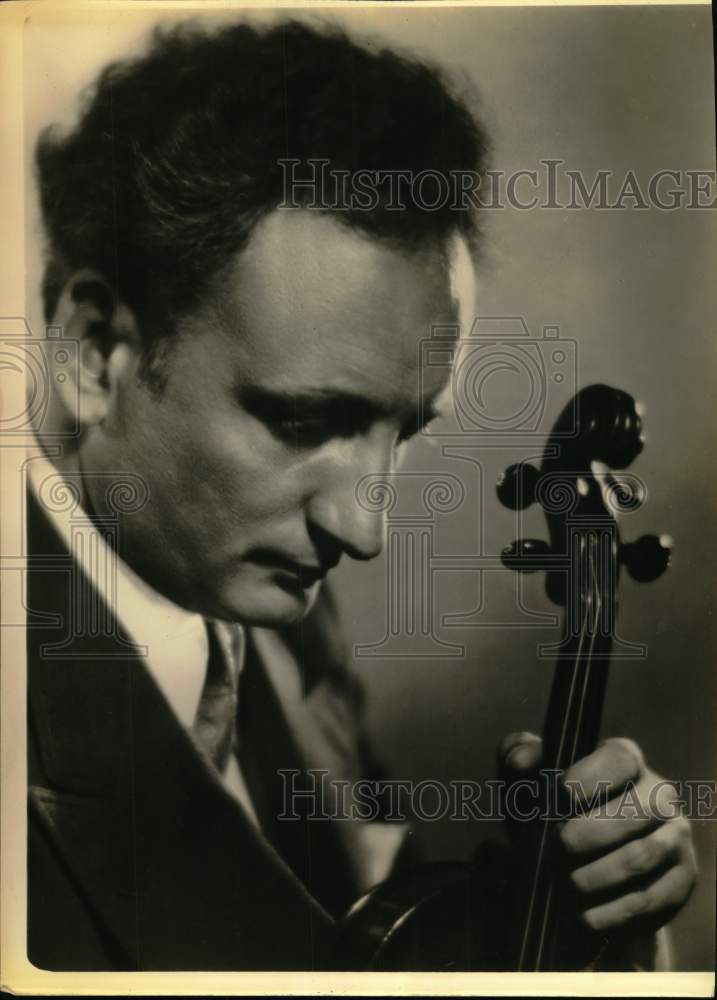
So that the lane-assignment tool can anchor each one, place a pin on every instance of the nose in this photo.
(335, 508)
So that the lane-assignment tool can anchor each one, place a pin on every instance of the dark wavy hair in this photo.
(175, 156)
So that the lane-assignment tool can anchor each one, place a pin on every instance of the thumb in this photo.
(519, 754)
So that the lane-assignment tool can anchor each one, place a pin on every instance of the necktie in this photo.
(214, 724)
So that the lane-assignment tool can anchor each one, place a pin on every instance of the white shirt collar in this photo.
(175, 639)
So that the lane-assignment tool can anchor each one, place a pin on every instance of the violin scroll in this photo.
(600, 424)
(600, 427)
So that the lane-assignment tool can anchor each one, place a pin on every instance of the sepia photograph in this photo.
(358, 368)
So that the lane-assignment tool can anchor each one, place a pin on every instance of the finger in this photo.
(638, 858)
(607, 770)
(625, 817)
(519, 753)
(656, 903)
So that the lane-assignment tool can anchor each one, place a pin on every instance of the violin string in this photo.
(543, 840)
(531, 906)
(546, 825)
(595, 604)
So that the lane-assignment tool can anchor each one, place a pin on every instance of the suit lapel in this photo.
(162, 854)
(277, 752)
(299, 733)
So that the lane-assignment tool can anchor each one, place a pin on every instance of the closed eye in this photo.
(307, 430)
(309, 420)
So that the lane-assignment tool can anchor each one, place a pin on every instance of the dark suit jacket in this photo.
(138, 858)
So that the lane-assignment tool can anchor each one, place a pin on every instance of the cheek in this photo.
(211, 466)
(234, 467)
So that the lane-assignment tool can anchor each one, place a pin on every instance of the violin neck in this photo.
(572, 721)
(574, 714)
(571, 729)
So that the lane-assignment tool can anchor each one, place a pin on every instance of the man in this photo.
(242, 366)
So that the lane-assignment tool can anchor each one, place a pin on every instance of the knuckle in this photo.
(628, 751)
(637, 903)
(681, 889)
(641, 856)
(688, 861)
(688, 883)
(681, 830)
(692, 873)
(664, 800)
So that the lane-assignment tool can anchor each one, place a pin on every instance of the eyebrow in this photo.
(263, 399)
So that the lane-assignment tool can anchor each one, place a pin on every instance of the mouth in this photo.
(307, 574)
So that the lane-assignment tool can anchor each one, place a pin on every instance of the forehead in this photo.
(311, 302)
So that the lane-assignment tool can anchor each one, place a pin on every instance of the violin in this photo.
(508, 910)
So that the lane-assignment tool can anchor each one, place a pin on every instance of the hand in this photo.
(633, 866)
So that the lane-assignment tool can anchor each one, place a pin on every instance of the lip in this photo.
(308, 575)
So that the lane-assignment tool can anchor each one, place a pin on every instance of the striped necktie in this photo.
(214, 725)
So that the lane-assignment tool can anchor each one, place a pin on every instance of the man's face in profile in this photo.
(297, 376)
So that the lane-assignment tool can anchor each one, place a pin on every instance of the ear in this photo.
(109, 345)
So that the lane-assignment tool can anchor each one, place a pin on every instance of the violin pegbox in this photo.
(600, 429)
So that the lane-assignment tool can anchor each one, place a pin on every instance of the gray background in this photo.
(600, 88)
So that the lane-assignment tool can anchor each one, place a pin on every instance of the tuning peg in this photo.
(647, 558)
(517, 485)
(527, 555)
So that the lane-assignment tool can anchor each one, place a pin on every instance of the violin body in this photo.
(438, 918)
(442, 917)
(450, 917)
(509, 908)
